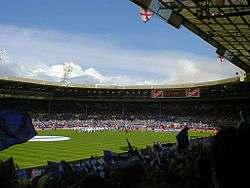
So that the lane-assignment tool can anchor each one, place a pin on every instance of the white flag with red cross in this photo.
(146, 15)
(221, 58)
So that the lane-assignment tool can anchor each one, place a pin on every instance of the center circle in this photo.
(49, 138)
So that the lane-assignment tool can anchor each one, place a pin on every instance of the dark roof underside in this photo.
(225, 24)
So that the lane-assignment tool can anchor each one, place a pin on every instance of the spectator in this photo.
(231, 158)
(92, 181)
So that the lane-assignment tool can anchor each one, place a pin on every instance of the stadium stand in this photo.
(160, 165)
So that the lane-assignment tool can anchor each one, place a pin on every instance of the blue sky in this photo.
(105, 41)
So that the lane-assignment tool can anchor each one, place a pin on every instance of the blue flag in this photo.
(15, 128)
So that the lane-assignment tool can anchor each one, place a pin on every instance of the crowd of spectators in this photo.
(213, 162)
(92, 125)
(219, 161)
(158, 165)
(92, 113)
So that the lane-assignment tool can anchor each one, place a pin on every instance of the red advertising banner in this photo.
(157, 94)
(180, 93)
(192, 92)
(175, 93)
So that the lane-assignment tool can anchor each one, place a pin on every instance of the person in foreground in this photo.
(231, 156)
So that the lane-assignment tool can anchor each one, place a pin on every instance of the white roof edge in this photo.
(105, 86)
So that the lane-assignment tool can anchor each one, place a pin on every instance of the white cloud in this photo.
(41, 54)
(56, 72)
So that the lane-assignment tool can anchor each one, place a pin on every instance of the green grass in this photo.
(82, 145)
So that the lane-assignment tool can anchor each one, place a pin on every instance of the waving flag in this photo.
(110, 158)
(146, 15)
(130, 147)
(15, 128)
(221, 58)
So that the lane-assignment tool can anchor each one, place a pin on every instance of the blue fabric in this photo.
(110, 158)
(54, 168)
(107, 154)
(22, 174)
(15, 128)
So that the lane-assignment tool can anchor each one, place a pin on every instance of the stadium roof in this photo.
(225, 24)
(6, 81)
(44, 90)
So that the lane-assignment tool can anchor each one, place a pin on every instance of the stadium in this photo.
(127, 135)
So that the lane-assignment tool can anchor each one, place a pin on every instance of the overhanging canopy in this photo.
(225, 24)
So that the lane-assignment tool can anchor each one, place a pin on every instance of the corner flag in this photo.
(15, 128)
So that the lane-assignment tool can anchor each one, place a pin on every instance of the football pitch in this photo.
(83, 145)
